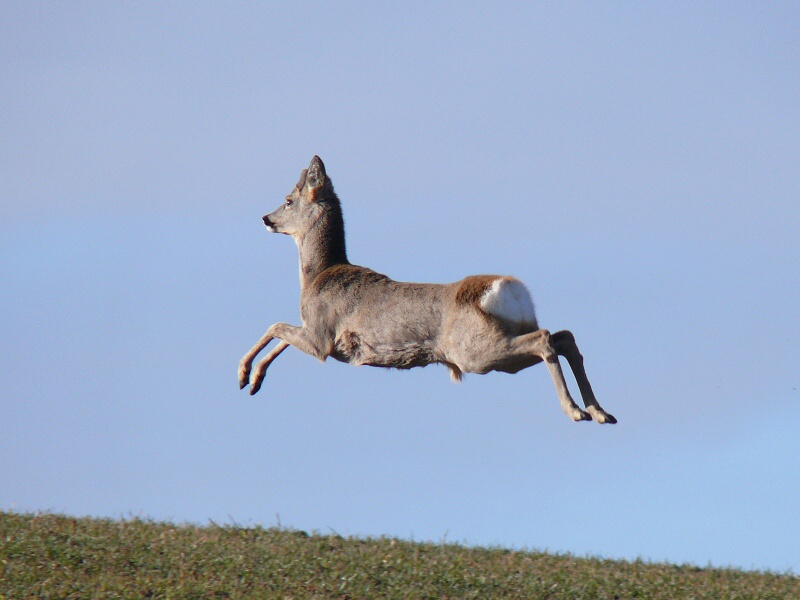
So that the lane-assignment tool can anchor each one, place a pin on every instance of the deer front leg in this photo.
(289, 335)
(261, 368)
(564, 343)
(247, 360)
(538, 344)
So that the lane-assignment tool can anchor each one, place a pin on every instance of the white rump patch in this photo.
(509, 299)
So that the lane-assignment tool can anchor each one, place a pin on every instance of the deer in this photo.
(355, 315)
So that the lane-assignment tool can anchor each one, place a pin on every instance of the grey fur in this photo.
(356, 315)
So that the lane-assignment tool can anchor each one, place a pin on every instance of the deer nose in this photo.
(267, 222)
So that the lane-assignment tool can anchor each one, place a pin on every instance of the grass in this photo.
(52, 556)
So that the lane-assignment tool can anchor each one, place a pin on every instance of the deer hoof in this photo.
(256, 380)
(244, 375)
(601, 416)
(576, 414)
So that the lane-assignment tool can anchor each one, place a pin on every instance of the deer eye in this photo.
(289, 202)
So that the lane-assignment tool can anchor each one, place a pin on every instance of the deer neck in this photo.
(321, 247)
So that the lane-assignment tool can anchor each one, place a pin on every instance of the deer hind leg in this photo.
(538, 346)
(564, 344)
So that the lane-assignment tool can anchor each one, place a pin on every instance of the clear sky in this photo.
(637, 165)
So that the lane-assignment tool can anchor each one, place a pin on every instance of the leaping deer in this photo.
(480, 324)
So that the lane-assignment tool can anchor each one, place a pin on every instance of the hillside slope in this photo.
(51, 556)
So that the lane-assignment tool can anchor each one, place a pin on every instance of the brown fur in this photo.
(345, 275)
(473, 288)
(455, 373)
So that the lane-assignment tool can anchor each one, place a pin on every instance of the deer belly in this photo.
(352, 348)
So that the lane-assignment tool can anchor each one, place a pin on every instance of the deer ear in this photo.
(315, 176)
(302, 181)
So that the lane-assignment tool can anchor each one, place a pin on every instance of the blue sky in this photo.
(638, 166)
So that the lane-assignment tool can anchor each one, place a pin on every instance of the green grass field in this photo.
(52, 556)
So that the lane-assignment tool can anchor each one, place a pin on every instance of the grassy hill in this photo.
(51, 556)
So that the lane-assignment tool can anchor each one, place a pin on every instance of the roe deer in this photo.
(479, 324)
